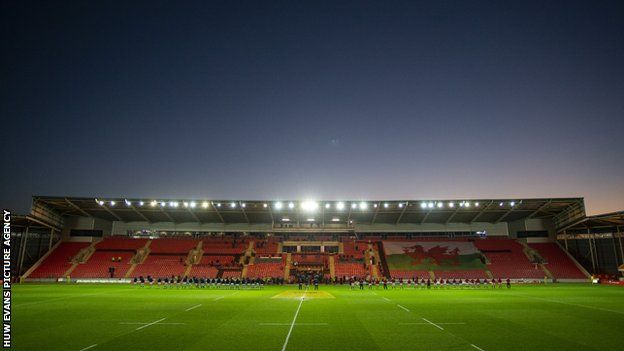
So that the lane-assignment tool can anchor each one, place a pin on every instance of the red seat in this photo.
(559, 263)
(59, 260)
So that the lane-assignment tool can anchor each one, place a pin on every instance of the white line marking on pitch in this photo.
(192, 308)
(147, 325)
(385, 298)
(89, 347)
(292, 325)
(403, 308)
(570, 303)
(450, 323)
(141, 323)
(477, 347)
(289, 323)
(218, 298)
(430, 322)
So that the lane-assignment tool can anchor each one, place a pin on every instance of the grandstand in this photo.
(121, 239)
(249, 252)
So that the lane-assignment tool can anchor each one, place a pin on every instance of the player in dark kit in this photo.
(508, 283)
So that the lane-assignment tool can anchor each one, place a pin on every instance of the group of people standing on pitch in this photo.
(202, 282)
(428, 283)
(308, 279)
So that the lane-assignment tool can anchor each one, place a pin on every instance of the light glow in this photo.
(309, 206)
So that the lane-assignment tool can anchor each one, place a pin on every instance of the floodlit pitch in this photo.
(106, 317)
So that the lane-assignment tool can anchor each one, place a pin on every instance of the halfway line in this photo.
(477, 347)
(292, 325)
(89, 347)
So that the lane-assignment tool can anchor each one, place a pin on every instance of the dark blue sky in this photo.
(327, 100)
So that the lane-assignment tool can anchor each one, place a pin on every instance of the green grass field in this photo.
(112, 317)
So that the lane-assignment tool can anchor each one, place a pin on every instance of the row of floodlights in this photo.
(305, 205)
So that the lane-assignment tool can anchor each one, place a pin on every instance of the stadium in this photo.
(193, 274)
(312, 175)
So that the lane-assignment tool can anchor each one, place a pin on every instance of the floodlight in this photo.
(192, 204)
(467, 204)
(291, 205)
(476, 204)
(101, 203)
(264, 205)
(205, 204)
(128, 203)
(375, 205)
(451, 204)
(309, 205)
(363, 205)
(163, 204)
(440, 205)
(278, 205)
(335, 219)
(285, 219)
(327, 205)
(423, 205)
(185, 204)
(400, 205)
(141, 203)
(353, 205)
(243, 205)
(513, 203)
(340, 206)
(233, 205)
(386, 205)
(430, 205)
(153, 203)
(310, 219)
(500, 204)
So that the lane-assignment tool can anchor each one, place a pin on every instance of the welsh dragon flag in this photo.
(432, 255)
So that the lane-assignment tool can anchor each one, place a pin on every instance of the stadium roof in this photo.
(284, 211)
(606, 220)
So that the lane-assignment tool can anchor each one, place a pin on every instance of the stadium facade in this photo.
(595, 242)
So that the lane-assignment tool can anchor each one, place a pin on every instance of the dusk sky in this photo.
(313, 100)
